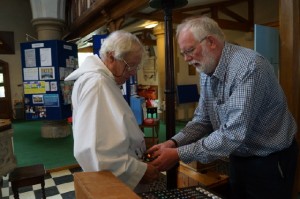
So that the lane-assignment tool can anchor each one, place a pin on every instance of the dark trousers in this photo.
(270, 177)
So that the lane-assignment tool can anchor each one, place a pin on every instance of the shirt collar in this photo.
(221, 69)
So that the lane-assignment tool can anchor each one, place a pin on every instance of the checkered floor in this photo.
(58, 185)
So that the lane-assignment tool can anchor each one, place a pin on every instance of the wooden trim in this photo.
(274, 24)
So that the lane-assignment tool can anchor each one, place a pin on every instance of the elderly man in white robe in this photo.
(106, 133)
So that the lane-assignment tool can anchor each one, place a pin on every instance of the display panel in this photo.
(45, 64)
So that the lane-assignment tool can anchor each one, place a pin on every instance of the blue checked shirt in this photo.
(242, 111)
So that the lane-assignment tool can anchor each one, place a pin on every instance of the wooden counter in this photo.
(5, 124)
(102, 184)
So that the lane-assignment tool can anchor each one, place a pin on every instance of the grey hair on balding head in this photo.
(201, 26)
(120, 43)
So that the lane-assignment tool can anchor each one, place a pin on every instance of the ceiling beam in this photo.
(113, 14)
(209, 5)
(238, 22)
(94, 18)
(233, 15)
(233, 25)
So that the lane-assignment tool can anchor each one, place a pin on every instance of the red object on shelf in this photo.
(149, 121)
(148, 103)
(70, 120)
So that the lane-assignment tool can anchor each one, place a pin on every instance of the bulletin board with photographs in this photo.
(45, 64)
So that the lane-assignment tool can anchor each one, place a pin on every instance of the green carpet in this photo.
(30, 148)
(162, 130)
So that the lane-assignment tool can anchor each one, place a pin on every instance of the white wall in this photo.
(15, 16)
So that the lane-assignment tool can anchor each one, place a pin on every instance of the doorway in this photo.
(5, 94)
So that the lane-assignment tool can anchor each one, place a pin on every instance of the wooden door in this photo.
(5, 94)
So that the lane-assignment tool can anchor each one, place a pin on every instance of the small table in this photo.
(26, 176)
(155, 129)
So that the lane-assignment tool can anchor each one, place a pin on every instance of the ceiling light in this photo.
(151, 25)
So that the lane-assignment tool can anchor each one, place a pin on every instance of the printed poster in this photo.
(45, 55)
(47, 73)
(53, 86)
(31, 73)
(34, 87)
(37, 99)
(51, 100)
(30, 60)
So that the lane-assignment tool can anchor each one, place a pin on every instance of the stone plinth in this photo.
(55, 129)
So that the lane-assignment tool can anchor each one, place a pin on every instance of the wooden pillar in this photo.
(290, 63)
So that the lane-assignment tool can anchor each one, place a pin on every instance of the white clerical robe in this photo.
(106, 134)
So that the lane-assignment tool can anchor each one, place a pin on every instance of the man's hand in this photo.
(165, 158)
(166, 144)
(150, 175)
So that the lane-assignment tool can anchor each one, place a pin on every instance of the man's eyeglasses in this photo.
(131, 68)
(190, 51)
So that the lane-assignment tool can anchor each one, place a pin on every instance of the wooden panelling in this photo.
(188, 176)
(83, 19)
(290, 63)
(290, 54)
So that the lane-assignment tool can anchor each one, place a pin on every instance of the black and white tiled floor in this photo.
(58, 185)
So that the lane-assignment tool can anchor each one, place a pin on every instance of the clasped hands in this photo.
(164, 155)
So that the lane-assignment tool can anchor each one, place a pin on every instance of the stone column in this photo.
(48, 18)
(48, 28)
(49, 21)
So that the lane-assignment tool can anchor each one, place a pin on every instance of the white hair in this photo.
(120, 43)
(200, 27)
